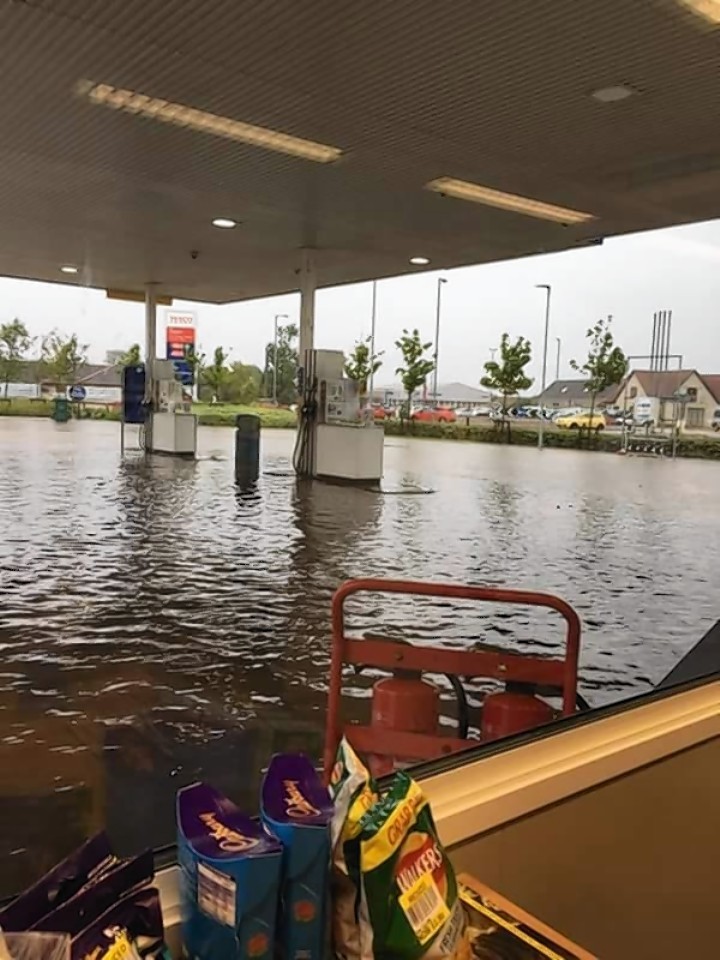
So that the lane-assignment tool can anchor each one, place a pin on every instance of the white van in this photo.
(645, 411)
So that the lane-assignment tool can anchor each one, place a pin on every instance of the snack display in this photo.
(362, 862)
(230, 877)
(297, 809)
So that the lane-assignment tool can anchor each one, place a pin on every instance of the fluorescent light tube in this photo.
(709, 9)
(464, 190)
(179, 115)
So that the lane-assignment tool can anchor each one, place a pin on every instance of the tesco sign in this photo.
(175, 319)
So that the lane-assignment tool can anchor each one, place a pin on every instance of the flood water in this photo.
(157, 625)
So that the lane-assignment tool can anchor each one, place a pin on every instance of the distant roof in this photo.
(565, 391)
(449, 392)
(712, 382)
(662, 383)
(90, 374)
(99, 375)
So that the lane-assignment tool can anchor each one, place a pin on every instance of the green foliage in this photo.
(196, 361)
(243, 384)
(15, 341)
(508, 377)
(61, 357)
(131, 357)
(287, 364)
(215, 375)
(416, 366)
(362, 364)
(606, 363)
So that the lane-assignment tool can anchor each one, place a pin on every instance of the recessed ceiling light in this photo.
(224, 222)
(612, 94)
(180, 115)
(710, 9)
(419, 261)
(67, 268)
(475, 192)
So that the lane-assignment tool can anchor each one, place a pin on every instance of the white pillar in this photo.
(150, 355)
(308, 283)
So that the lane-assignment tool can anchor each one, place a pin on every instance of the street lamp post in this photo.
(278, 316)
(557, 363)
(441, 281)
(548, 290)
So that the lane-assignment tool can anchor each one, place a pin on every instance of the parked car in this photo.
(382, 413)
(434, 415)
(582, 421)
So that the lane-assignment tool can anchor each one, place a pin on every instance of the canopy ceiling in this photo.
(495, 93)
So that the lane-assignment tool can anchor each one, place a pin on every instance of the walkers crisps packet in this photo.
(410, 906)
(353, 792)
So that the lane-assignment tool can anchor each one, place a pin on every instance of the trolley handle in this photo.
(529, 598)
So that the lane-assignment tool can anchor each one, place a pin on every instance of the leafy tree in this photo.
(361, 365)
(61, 357)
(15, 341)
(416, 366)
(507, 377)
(284, 366)
(196, 361)
(131, 357)
(244, 382)
(606, 364)
(215, 374)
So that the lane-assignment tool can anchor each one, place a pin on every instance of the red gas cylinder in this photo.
(507, 713)
(406, 704)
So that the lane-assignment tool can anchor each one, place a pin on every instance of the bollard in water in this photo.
(247, 448)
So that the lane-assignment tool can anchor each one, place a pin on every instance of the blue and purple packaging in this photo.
(130, 928)
(58, 885)
(230, 870)
(297, 809)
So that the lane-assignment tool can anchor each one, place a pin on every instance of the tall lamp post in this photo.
(548, 290)
(441, 281)
(278, 316)
(373, 318)
(557, 362)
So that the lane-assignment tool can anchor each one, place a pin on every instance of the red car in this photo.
(435, 415)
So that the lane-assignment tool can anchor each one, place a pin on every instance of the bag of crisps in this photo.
(409, 907)
(353, 792)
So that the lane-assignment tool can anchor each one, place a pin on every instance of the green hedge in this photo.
(706, 448)
(208, 415)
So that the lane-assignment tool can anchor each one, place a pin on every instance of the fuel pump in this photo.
(174, 426)
(337, 437)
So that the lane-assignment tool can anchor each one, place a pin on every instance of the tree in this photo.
(243, 384)
(417, 367)
(606, 364)
(61, 357)
(362, 364)
(131, 357)
(281, 370)
(215, 374)
(508, 377)
(15, 341)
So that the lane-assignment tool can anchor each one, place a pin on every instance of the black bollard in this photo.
(247, 448)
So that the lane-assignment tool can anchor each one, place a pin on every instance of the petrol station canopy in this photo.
(371, 132)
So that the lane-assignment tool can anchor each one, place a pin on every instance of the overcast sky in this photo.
(630, 278)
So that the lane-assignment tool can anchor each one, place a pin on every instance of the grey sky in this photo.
(629, 277)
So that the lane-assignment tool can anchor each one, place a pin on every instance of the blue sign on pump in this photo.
(77, 393)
